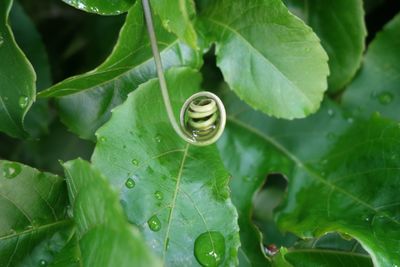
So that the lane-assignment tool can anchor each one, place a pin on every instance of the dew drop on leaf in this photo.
(23, 101)
(157, 138)
(11, 170)
(209, 248)
(385, 98)
(154, 223)
(130, 183)
(158, 195)
(135, 162)
(103, 139)
(42, 263)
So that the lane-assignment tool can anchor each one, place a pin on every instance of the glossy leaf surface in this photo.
(17, 79)
(270, 58)
(32, 215)
(335, 172)
(176, 16)
(109, 7)
(88, 98)
(340, 26)
(29, 40)
(105, 237)
(377, 86)
(177, 194)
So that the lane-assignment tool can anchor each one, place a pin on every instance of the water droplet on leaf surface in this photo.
(130, 183)
(154, 223)
(159, 195)
(385, 98)
(135, 162)
(23, 101)
(157, 138)
(209, 248)
(11, 170)
(42, 263)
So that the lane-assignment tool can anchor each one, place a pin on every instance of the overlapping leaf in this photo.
(341, 27)
(27, 37)
(270, 58)
(17, 79)
(33, 225)
(329, 250)
(88, 98)
(343, 173)
(176, 16)
(110, 7)
(105, 237)
(377, 86)
(176, 193)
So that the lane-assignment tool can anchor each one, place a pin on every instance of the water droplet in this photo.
(130, 183)
(385, 98)
(157, 138)
(103, 139)
(209, 248)
(350, 120)
(11, 170)
(166, 23)
(135, 162)
(154, 223)
(331, 113)
(42, 263)
(159, 195)
(23, 101)
(367, 218)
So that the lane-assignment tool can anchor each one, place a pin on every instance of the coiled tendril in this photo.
(202, 116)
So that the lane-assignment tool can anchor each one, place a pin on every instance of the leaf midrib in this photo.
(36, 229)
(300, 164)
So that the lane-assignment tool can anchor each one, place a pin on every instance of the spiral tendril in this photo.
(202, 116)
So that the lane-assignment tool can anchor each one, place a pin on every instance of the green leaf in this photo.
(329, 250)
(26, 35)
(340, 25)
(343, 173)
(105, 237)
(270, 58)
(92, 95)
(377, 86)
(110, 7)
(176, 193)
(17, 79)
(176, 17)
(33, 225)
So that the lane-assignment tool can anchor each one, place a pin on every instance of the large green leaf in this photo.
(17, 79)
(343, 173)
(377, 86)
(176, 17)
(270, 58)
(32, 211)
(340, 25)
(329, 250)
(88, 98)
(105, 237)
(109, 7)
(176, 193)
(26, 35)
